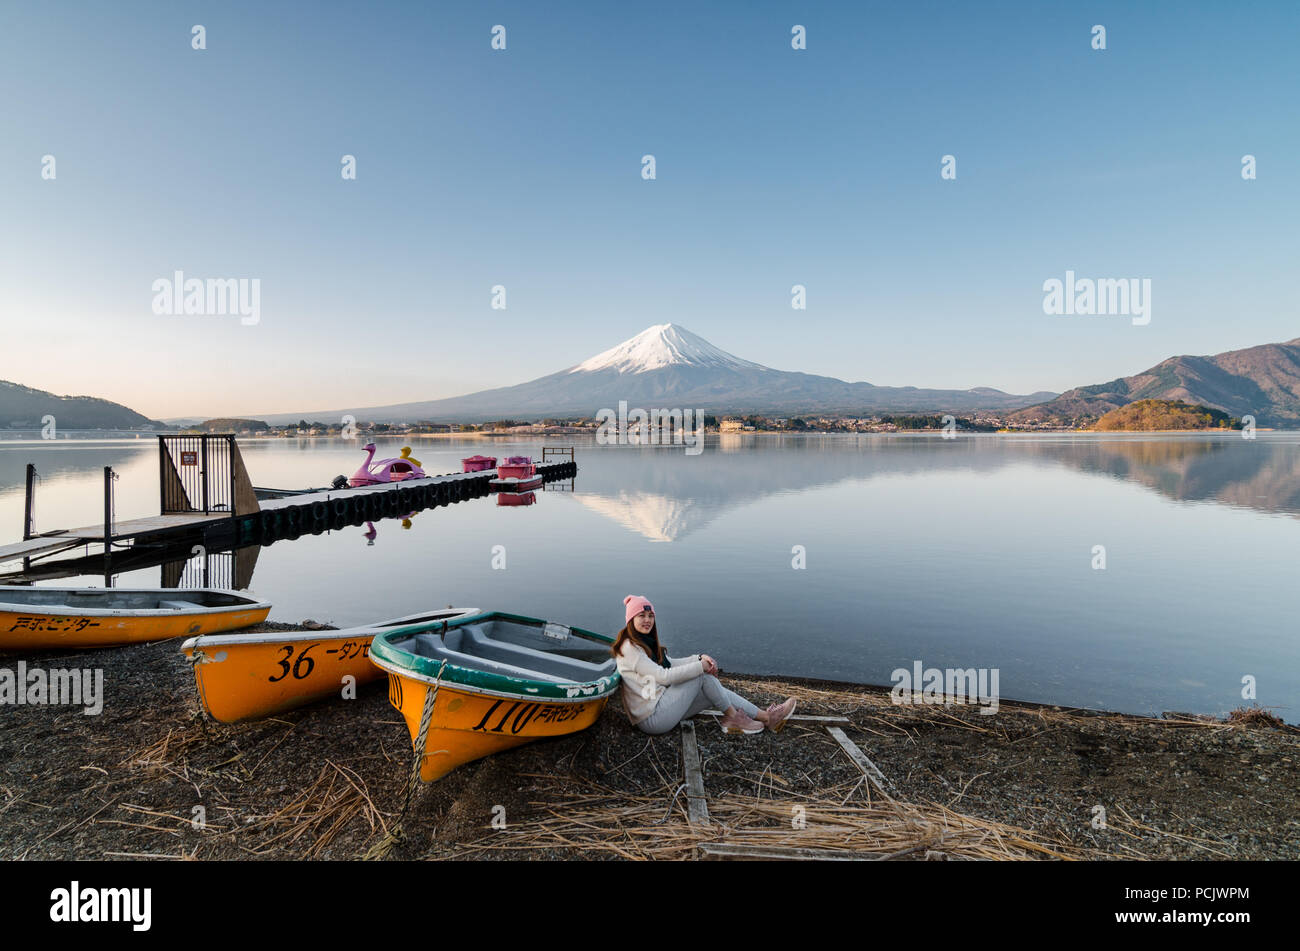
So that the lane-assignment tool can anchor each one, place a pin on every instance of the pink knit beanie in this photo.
(635, 605)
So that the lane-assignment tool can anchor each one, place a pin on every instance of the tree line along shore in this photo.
(1140, 416)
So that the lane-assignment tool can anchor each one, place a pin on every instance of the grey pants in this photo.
(684, 700)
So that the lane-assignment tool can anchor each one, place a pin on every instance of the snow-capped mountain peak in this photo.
(663, 345)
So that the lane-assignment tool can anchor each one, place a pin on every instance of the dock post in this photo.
(29, 496)
(108, 525)
(203, 472)
(108, 507)
(27, 504)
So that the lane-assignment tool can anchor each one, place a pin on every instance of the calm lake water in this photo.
(970, 552)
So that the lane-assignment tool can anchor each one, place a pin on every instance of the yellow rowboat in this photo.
(45, 618)
(477, 685)
(245, 676)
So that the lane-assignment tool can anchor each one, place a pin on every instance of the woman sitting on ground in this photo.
(660, 692)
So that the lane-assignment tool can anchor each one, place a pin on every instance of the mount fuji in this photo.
(668, 366)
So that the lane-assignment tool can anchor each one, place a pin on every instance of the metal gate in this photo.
(204, 570)
(197, 474)
(560, 485)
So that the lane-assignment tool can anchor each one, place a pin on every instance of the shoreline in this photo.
(89, 436)
(327, 781)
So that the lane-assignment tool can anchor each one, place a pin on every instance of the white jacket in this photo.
(645, 681)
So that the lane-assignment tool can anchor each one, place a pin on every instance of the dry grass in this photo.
(600, 819)
(175, 745)
(320, 812)
(1255, 717)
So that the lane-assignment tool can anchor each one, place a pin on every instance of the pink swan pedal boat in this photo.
(386, 470)
(478, 463)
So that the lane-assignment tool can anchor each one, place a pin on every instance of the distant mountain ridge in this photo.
(1262, 381)
(667, 366)
(23, 407)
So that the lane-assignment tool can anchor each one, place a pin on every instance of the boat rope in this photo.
(430, 696)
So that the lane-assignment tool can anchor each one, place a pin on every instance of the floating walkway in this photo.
(296, 515)
(289, 517)
(206, 497)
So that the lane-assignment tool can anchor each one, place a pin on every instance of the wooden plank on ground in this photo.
(697, 810)
(800, 718)
(718, 851)
(860, 758)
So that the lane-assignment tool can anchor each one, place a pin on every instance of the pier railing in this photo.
(203, 474)
(559, 452)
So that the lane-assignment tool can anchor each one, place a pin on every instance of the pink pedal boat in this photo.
(478, 463)
(516, 498)
(526, 484)
(516, 467)
(386, 470)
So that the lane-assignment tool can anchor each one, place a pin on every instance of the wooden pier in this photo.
(221, 509)
(51, 543)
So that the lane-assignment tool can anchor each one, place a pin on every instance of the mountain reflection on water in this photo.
(835, 557)
(663, 495)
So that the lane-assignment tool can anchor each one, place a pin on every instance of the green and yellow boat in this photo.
(472, 686)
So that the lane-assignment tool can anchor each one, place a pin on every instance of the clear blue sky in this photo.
(522, 167)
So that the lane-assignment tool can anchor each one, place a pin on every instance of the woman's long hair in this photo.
(629, 633)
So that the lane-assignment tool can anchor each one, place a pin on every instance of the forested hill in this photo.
(1262, 381)
(1157, 415)
(22, 407)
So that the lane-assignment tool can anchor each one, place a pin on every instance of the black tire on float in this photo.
(339, 507)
